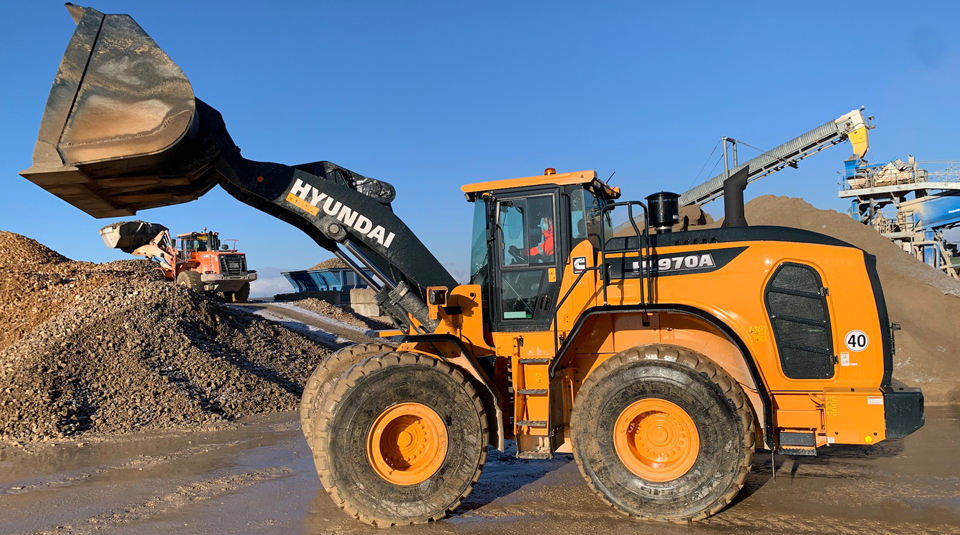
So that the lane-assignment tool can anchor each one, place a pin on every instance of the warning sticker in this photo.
(845, 359)
(832, 406)
(302, 204)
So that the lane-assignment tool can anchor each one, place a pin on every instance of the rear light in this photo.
(208, 272)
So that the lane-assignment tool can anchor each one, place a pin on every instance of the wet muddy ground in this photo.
(258, 478)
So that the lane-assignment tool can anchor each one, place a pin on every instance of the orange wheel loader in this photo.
(196, 260)
(660, 360)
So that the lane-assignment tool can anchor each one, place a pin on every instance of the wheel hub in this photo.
(656, 440)
(407, 443)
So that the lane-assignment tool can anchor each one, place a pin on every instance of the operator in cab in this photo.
(545, 247)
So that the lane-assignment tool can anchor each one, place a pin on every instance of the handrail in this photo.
(646, 268)
(556, 311)
(642, 237)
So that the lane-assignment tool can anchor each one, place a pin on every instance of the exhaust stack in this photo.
(733, 213)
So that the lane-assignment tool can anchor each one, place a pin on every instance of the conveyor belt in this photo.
(787, 154)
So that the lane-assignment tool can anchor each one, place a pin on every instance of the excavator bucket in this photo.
(130, 235)
(117, 132)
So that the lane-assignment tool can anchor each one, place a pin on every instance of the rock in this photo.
(136, 353)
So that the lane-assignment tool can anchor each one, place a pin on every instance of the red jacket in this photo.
(546, 247)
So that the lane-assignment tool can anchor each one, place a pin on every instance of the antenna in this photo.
(611, 176)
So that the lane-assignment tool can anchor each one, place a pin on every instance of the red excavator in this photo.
(195, 260)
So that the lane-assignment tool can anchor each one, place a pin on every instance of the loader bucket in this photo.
(130, 235)
(118, 123)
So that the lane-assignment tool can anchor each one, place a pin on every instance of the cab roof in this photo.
(587, 178)
(197, 234)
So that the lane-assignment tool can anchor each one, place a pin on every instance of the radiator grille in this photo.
(233, 265)
(798, 312)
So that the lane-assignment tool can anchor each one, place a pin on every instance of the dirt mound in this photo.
(17, 250)
(37, 283)
(331, 264)
(923, 300)
(147, 355)
(112, 348)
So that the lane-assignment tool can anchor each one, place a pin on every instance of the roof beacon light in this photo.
(549, 171)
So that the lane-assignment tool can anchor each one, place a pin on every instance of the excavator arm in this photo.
(122, 131)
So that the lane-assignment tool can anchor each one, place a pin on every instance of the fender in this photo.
(565, 352)
(467, 363)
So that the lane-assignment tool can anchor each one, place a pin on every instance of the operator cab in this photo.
(523, 231)
(198, 242)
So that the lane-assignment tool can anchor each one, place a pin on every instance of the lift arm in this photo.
(122, 131)
(852, 126)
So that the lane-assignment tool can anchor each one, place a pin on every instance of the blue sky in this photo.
(432, 95)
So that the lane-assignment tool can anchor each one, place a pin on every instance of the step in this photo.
(535, 455)
(532, 423)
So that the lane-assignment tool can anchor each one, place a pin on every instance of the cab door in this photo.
(528, 260)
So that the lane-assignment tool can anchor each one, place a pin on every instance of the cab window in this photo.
(527, 255)
(527, 227)
(584, 217)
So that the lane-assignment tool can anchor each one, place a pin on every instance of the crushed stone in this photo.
(113, 348)
(331, 263)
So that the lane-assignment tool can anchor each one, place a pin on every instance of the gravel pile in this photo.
(922, 299)
(37, 283)
(112, 348)
(17, 250)
(314, 304)
(331, 264)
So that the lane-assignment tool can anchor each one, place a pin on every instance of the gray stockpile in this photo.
(112, 348)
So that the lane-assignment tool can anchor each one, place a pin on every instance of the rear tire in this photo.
(324, 379)
(191, 280)
(437, 464)
(662, 433)
(241, 295)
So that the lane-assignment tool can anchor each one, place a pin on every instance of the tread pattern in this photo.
(190, 280)
(323, 378)
(705, 367)
(241, 295)
(347, 381)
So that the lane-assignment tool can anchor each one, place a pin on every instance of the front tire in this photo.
(324, 379)
(241, 295)
(662, 433)
(402, 440)
(191, 280)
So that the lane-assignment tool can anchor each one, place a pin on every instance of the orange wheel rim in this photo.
(407, 444)
(656, 440)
